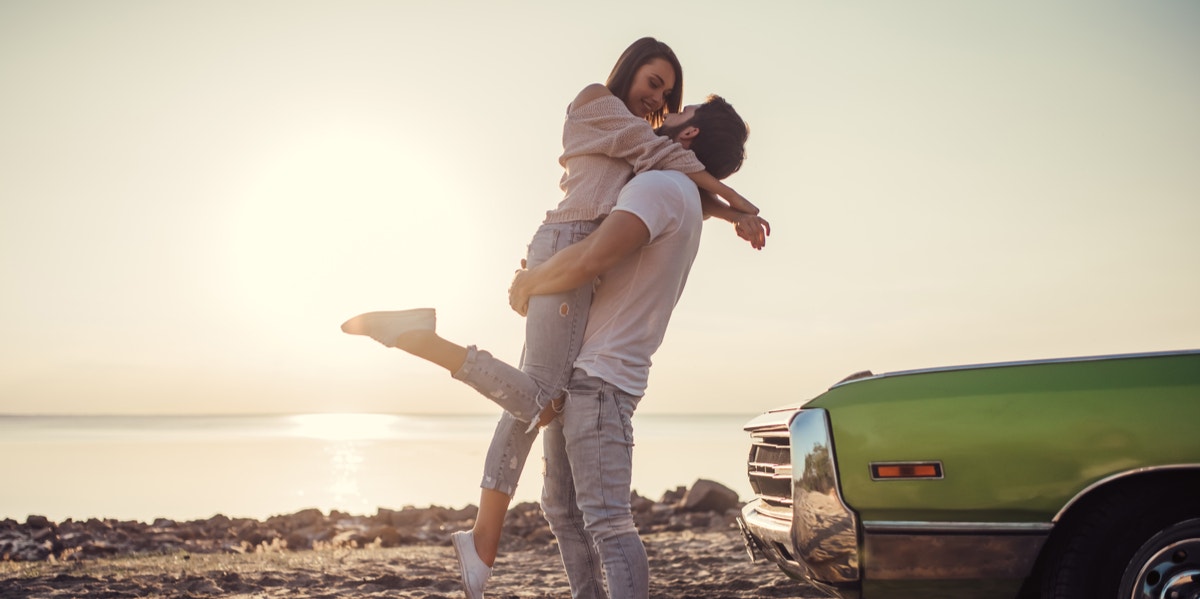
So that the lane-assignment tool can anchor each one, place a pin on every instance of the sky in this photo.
(194, 195)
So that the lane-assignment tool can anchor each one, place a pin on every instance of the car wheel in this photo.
(1124, 537)
(1168, 565)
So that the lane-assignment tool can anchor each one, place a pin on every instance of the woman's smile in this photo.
(653, 83)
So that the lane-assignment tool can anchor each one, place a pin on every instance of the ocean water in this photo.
(193, 467)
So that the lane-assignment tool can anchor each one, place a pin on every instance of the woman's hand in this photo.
(752, 228)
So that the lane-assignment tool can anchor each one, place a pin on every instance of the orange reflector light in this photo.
(906, 470)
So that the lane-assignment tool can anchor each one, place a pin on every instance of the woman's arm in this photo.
(705, 181)
(616, 132)
(600, 123)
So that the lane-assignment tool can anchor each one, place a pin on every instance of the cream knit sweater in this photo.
(604, 146)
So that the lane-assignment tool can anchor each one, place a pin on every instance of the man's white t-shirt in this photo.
(635, 298)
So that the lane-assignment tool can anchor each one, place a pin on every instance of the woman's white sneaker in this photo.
(475, 573)
(386, 327)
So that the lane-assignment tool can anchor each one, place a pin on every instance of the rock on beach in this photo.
(705, 506)
(690, 535)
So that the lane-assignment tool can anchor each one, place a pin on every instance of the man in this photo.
(642, 253)
(644, 249)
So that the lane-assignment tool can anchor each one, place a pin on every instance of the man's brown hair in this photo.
(721, 143)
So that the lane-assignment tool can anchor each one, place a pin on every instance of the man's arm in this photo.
(619, 235)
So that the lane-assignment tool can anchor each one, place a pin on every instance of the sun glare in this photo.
(343, 427)
(329, 219)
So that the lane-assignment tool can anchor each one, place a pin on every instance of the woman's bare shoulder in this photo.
(590, 93)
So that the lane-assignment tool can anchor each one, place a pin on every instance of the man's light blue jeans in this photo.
(585, 494)
(588, 478)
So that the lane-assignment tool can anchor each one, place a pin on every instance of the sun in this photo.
(332, 221)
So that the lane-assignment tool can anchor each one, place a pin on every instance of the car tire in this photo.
(1116, 532)
(1167, 565)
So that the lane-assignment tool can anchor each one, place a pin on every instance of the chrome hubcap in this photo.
(1171, 573)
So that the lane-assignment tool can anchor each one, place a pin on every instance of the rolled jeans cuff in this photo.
(514, 391)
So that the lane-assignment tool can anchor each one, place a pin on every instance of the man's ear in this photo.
(686, 136)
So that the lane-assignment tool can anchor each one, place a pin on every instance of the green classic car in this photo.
(1076, 477)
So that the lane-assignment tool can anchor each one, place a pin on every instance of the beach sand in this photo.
(707, 564)
(692, 542)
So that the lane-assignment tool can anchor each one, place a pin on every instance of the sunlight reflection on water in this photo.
(188, 467)
(345, 427)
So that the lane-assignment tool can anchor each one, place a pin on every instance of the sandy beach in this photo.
(690, 535)
(707, 564)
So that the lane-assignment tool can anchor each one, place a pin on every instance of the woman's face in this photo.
(652, 83)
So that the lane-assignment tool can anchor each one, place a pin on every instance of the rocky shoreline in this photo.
(705, 506)
(690, 535)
